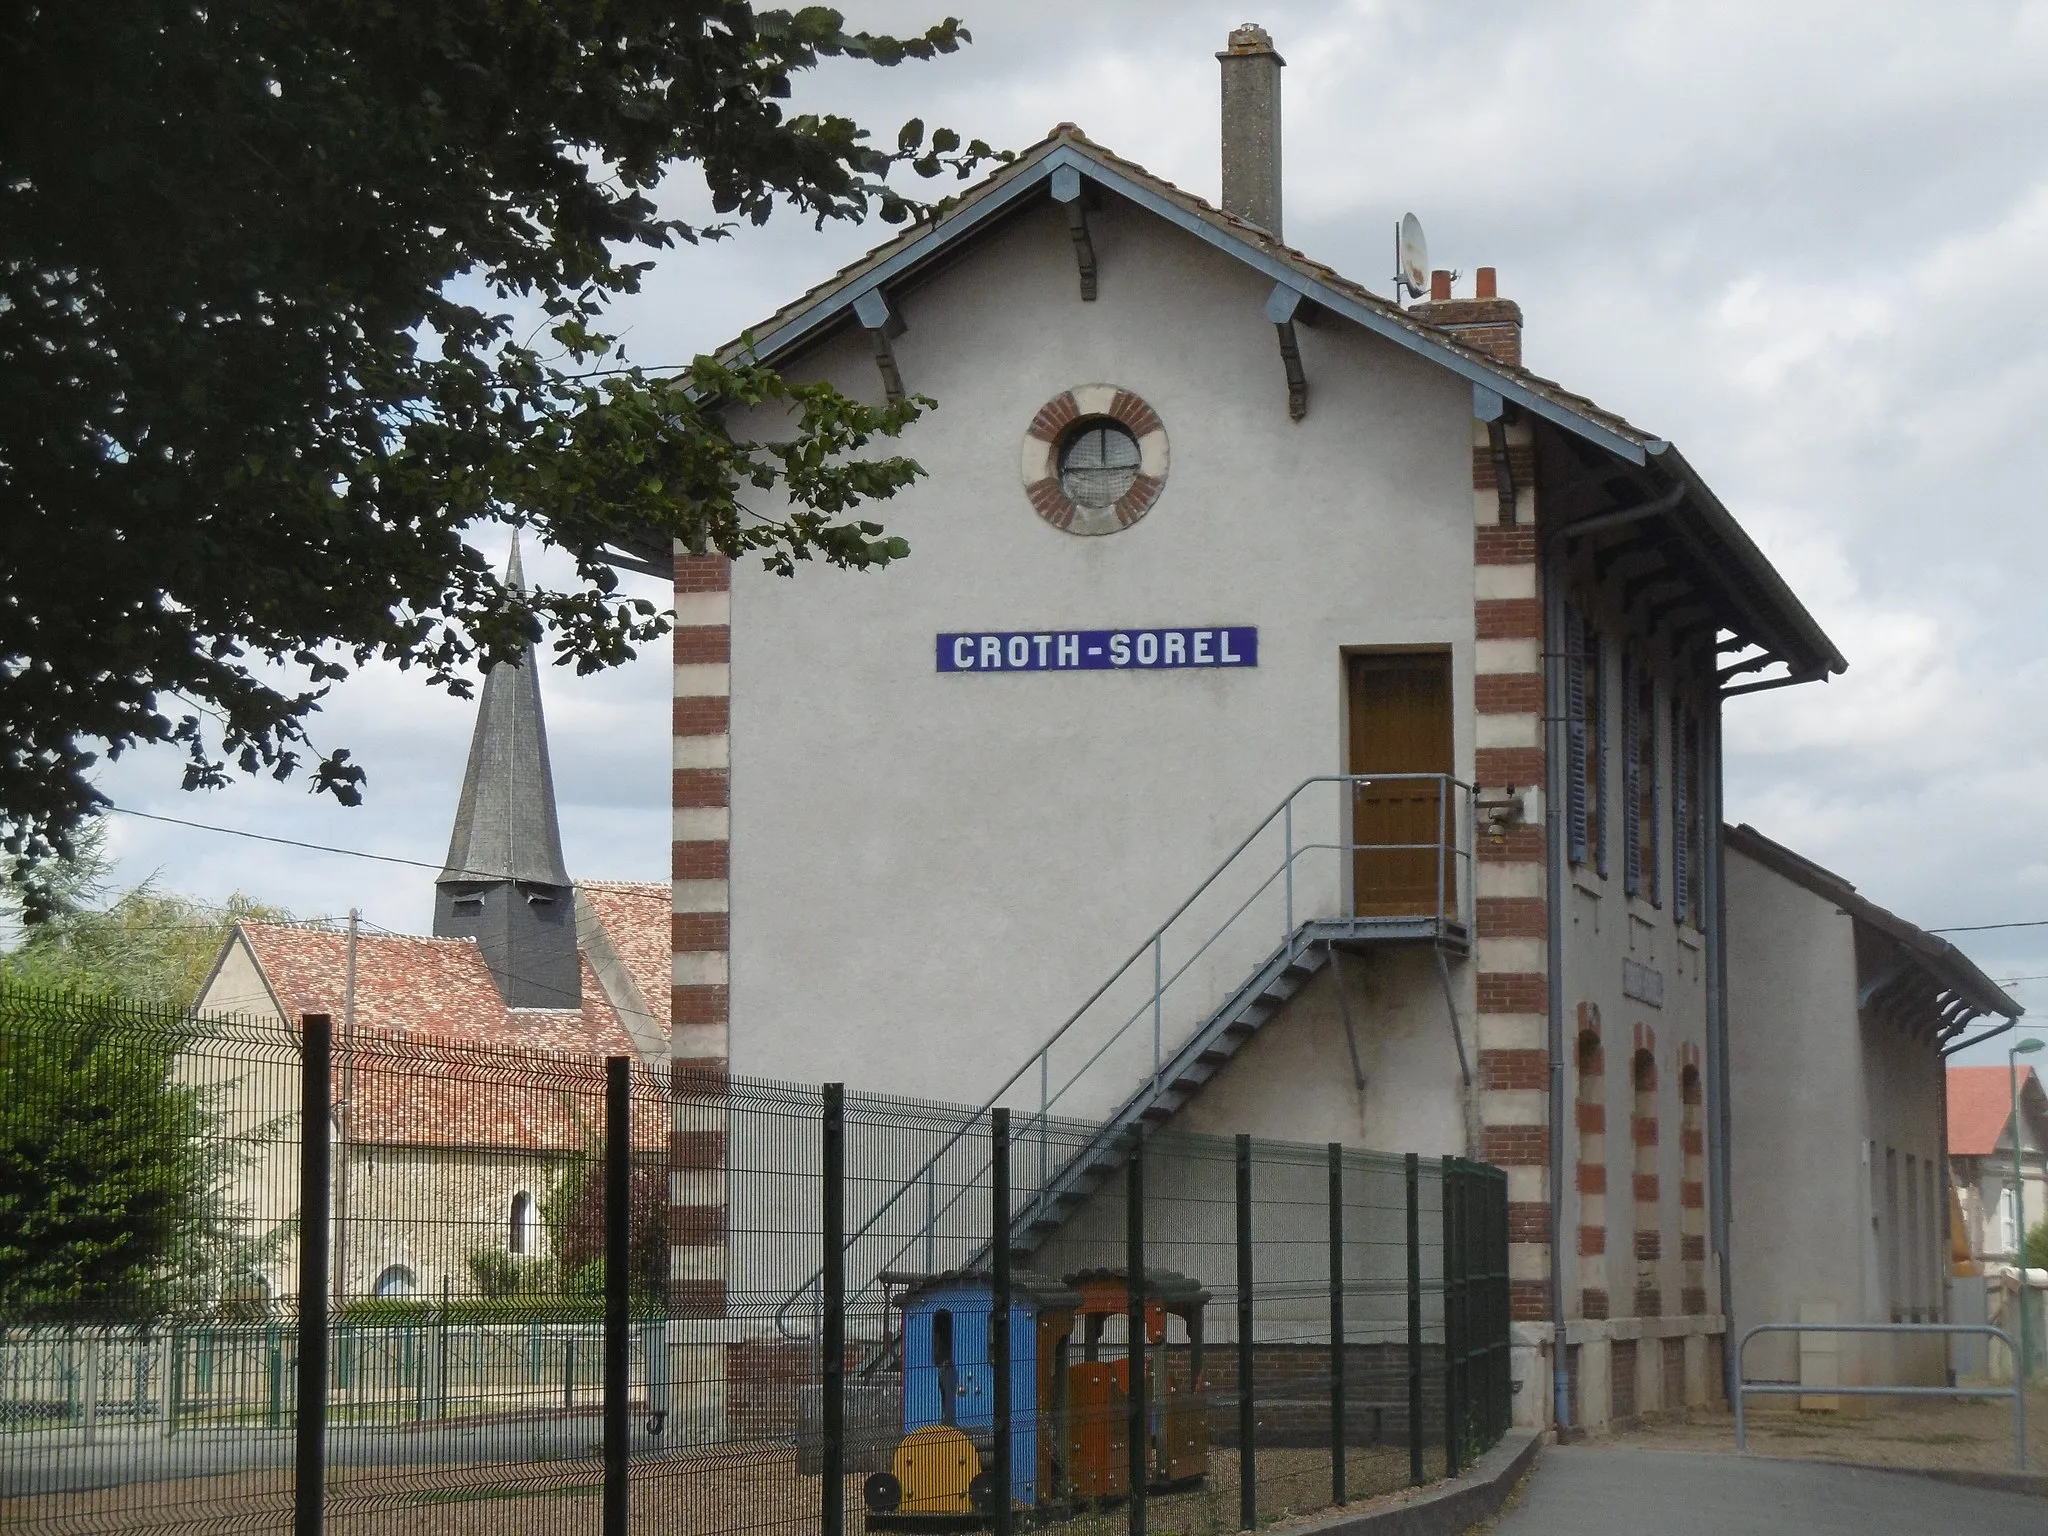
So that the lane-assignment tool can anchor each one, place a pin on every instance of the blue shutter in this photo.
(1631, 782)
(1681, 815)
(1575, 730)
(1596, 697)
(1652, 875)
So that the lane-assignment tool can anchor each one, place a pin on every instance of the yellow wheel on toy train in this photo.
(935, 1466)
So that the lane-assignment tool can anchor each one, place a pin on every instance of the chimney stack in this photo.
(1486, 322)
(1251, 128)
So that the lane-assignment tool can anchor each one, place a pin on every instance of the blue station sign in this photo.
(1099, 650)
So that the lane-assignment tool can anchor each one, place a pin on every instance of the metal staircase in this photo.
(1219, 1031)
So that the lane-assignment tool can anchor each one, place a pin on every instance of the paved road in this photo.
(1620, 1491)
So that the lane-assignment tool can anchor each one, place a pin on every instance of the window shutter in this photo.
(1575, 730)
(1631, 783)
(1596, 703)
(1681, 814)
(1652, 874)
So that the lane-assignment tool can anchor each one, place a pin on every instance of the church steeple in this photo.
(505, 884)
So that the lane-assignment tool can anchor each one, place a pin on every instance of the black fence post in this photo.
(1414, 1173)
(1500, 1321)
(1247, 1418)
(1454, 1331)
(316, 1110)
(618, 1281)
(999, 1316)
(832, 1299)
(1137, 1410)
(1337, 1467)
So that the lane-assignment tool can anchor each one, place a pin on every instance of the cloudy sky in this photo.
(1806, 241)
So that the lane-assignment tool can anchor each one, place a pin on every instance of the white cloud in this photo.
(1802, 241)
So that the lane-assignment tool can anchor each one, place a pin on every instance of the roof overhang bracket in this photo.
(1284, 306)
(1820, 674)
(1489, 407)
(879, 318)
(1069, 190)
(1753, 664)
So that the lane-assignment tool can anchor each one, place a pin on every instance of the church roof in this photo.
(440, 1060)
(505, 823)
(1749, 596)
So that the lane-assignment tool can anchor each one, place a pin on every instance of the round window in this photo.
(1095, 459)
(1098, 462)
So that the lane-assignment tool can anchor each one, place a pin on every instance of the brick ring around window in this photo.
(1095, 459)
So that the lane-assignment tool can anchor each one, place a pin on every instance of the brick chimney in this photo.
(1485, 322)
(1251, 128)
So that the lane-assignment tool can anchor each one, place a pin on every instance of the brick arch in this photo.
(1059, 415)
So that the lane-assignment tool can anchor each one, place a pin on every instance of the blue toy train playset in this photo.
(1069, 1442)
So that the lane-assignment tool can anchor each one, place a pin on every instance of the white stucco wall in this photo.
(1800, 1202)
(929, 872)
(1820, 1099)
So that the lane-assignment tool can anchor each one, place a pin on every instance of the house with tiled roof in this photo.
(469, 1069)
(1981, 1131)
(1296, 717)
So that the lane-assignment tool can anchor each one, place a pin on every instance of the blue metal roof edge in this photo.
(828, 307)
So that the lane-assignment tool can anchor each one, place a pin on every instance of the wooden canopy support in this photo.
(879, 318)
(1283, 307)
(1069, 190)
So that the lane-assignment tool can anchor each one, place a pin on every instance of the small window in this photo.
(520, 1238)
(397, 1280)
(1098, 463)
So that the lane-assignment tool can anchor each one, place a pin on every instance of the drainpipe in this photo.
(1556, 851)
(1557, 854)
(1721, 1166)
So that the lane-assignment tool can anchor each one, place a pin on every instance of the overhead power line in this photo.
(293, 842)
(2039, 922)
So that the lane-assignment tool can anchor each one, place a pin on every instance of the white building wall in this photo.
(1800, 1202)
(1819, 1100)
(930, 872)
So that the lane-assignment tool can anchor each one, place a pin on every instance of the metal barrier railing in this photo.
(1744, 1387)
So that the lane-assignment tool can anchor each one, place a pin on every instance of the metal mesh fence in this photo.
(514, 1290)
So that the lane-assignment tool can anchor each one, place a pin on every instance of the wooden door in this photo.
(1401, 723)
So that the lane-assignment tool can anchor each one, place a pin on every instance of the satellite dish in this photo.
(1411, 257)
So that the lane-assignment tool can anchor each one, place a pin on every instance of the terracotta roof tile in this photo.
(636, 916)
(439, 1060)
(1980, 1104)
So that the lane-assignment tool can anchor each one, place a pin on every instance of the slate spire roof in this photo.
(505, 823)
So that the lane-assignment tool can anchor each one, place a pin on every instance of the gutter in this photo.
(1721, 1166)
(1556, 851)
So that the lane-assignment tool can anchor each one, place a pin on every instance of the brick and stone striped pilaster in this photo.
(1649, 1204)
(699, 975)
(1510, 948)
(1591, 1114)
(1692, 1188)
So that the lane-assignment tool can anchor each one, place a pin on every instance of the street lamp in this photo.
(2019, 1196)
